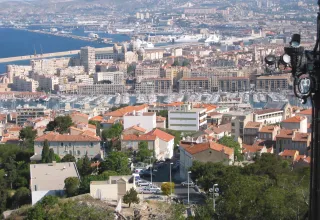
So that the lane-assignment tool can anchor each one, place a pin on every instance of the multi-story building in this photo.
(97, 89)
(203, 152)
(200, 84)
(238, 121)
(84, 79)
(116, 78)
(49, 66)
(269, 116)
(76, 145)
(17, 70)
(145, 72)
(251, 131)
(268, 132)
(46, 82)
(146, 120)
(187, 119)
(155, 85)
(88, 59)
(299, 123)
(292, 140)
(71, 71)
(273, 83)
(25, 112)
(200, 11)
(23, 83)
(234, 84)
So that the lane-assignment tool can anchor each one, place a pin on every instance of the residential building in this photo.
(203, 152)
(187, 118)
(26, 112)
(200, 84)
(119, 113)
(306, 113)
(63, 144)
(234, 84)
(49, 66)
(153, 85)
(146, 120)
(238, 120)
(78, 117)
(48, 179)
(291, 155)
(217, 131)
(23, 83)
(251, 131)
(99, 89)
(160, 142)
(273, 83)
(113, 189)
(268, 133)
(46, 82)
(292, 140)
(268, 116)
(250, 152)
(134, 130)
(298, 123)
(116, 78)
(161, 122)
(145, 72)
(17, 70)
(87, 59)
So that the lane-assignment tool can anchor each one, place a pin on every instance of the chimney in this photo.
(54, 163)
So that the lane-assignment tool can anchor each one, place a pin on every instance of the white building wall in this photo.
(36, 196)
(301, 127)
(183, 121)
(185, 163)
(270, 118)
(144, 121)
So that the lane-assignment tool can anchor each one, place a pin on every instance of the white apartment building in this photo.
(146, 120)
(145, 72)
(23, 83)
(17, 70)
(299, 123)
(268, 116)
(88, 59)
(26, 112)
(49, 66)
(85, 79)
(116, 78)
(71, 71)
(187, 118)
(46, 82)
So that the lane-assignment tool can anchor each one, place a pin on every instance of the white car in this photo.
(186, 183)
(143, 183)
(146, 191)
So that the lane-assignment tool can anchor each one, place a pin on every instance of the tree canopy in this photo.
(27, 135)
(131, 196)
(113, 132)
(143, 152)
(116, 161)
(71, 186)
(68, 158)
(230, 142)
(268, 187)
(60, 124)
(167, 188)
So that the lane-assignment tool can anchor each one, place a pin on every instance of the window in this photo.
(78, 152)
(61, 144)
(91, 144)
(69, 144)
(232, 124)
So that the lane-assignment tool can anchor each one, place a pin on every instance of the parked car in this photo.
(138, 170)
(155, 197)
(143, 183)
(186, 183)
(153, 189)
(146, 191)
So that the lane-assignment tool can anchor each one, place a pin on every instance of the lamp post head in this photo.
(189, 172)
(215, 185)
(295, 40)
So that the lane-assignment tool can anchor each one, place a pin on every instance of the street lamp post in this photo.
(305, 65)
(170, 180)
(213, 197)
(188, 188)
(151, 170)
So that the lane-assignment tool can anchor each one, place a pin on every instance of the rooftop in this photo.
(294, 119)
(55, 137)
(51, 176)
(266, 111)
(197, 148)
(252, 124)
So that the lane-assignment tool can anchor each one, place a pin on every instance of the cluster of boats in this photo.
(259, 97)
(277, 97)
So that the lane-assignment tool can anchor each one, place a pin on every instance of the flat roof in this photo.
(51, 176)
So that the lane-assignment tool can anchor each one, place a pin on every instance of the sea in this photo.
(17, 42)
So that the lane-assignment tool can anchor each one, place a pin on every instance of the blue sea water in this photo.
(15, 42)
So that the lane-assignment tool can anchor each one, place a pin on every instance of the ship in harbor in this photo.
(189, 38)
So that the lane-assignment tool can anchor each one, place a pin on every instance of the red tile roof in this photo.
(97, 118)
(136, 128)
(55, 137)
(252, 124)
(143, 137)
(306, 112)
(92, 126)
(162, 135)
(267, 129)
(294, 119)
(289, 153)
(285, 133)
(194, 78)
(250, 148)
(301, 137)
(122, 111)
(197, 148)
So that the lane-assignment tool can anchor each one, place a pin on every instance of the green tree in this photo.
(71, 186)
(45, 152)
(84, 166)
(164, 113)
(10, 168)
(131, 197)
(230, 142)
(167, 188)
(98, 127)
(116, 161)
(144, 152)
(113, 132)
(60, 124)
(68, 158)
(21, 197)
(176, 63)
(27, 135)
(57, 158)
(51, 156)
